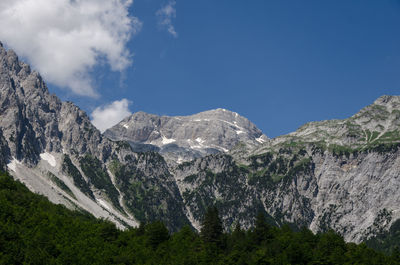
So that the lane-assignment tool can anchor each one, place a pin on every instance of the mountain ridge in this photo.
(338, 174)
(56, 151)
(183, 138)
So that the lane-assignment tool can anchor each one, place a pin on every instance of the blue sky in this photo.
(278, 63)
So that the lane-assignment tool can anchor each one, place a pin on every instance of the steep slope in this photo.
(340, 174)
(54, 149)
(183, 138)
(35, 231)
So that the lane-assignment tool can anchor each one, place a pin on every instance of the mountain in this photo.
(337, 174)
(54, 149)
(44, 233)
(374, 124)
(184, 138)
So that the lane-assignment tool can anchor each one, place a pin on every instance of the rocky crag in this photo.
(54, 149)
(339, 174)
(184, 138)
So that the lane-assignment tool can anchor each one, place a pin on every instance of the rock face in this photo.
(339, 174)
(184, 138)
(55, 150)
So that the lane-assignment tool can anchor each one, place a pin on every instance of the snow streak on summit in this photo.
(183, 138)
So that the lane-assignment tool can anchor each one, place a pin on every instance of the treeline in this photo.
(387, 241)
(35, 231)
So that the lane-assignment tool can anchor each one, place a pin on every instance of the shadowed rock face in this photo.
(340, 174)
(183, 138)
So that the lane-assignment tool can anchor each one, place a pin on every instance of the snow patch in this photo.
(13, 164)
(239, 132)
(180, 160)
(223, 149)
(260, 140)
(234, 124)
(49, 158)
(199, 140)
(198, 143)
(167, 140)
(126, 126)
(103, 203)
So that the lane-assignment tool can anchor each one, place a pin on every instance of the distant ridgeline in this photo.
(35, 231)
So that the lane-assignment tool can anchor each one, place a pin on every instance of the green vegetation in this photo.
(190, 178)
(122, 145)
(212, 230)
(268, 169)
(371, 136)
(35, 231)
(387, 241)
(150, 193)
(340, 150)
(222, 189)
(69, 168)
(390, 136)
(377, 112)
(383, 148)
(98, 176)
(354, 130)
(60, 184)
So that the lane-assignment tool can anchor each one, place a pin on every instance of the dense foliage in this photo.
(35, 231)
(387, 241)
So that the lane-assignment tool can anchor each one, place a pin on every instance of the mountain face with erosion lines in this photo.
(54, 149)
(337, 174)
(184, 138)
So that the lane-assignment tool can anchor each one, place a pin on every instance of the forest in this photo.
(35, 231)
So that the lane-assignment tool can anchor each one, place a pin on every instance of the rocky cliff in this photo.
(55, 150)
(184, 138)
(339, 174)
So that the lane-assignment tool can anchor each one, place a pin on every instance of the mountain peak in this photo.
(182, 138)
(218, 112)
(332, 182)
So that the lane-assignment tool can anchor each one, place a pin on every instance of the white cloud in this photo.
(65, 39)
(165, 15)
(107, 116)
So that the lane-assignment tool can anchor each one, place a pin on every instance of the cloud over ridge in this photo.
(107, 116)
(65, 39)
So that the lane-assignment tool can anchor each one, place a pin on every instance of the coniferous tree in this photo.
(34, 231)
(396, 253)
(141, 229)
(262, 230)
(156, 233)
(211, 230)
(238, 233)
(237, 240)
